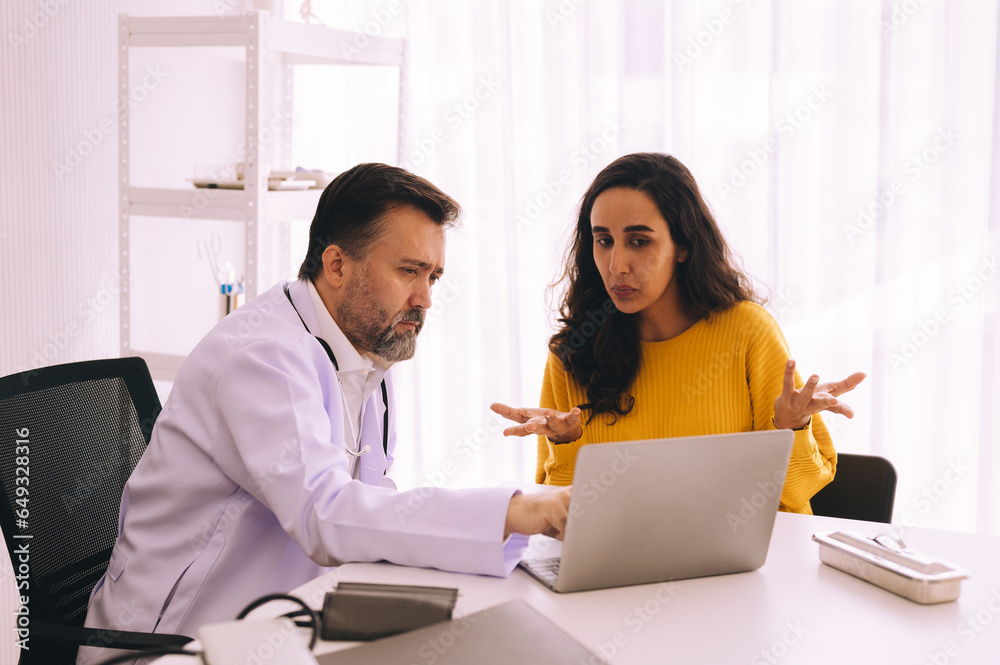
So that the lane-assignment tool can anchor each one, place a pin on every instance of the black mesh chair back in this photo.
(70, 436)
(863, 489)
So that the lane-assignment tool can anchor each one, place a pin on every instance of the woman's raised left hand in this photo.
(793, 408)
(558, 426)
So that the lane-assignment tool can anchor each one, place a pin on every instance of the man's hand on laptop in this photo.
(542, 512)
(557, 426)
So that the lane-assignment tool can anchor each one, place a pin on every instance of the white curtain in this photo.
(851, 153)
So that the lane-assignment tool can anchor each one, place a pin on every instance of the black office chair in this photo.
(70, 436)
(863, 489)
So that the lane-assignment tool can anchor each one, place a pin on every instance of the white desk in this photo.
(793, 610)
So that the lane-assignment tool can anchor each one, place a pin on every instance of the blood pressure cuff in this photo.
(360, 611)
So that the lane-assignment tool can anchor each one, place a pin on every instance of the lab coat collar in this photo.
(347, 356)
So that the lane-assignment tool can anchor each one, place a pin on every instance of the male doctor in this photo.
(268, 461)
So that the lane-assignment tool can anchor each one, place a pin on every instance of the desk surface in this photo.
(793, 610)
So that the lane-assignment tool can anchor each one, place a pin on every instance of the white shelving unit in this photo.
(260, 41)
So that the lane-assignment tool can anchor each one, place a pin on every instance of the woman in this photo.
(662, 336)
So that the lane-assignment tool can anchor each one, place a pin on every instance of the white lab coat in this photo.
(244, 489)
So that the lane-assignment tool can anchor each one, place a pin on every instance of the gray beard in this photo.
(363, 323)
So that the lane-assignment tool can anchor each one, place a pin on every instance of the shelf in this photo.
(300, 43)
(262, 45)
(221, 204)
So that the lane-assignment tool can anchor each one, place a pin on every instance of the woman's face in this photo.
(634, 252)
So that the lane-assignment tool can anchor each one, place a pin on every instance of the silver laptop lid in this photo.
(667, 509)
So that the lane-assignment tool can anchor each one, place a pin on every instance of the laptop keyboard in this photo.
(547, 569)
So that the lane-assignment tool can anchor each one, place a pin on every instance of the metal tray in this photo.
(887, 564)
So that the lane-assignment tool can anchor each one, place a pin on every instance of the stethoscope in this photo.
(385, 393)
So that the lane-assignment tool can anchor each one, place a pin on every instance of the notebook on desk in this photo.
(667, 509)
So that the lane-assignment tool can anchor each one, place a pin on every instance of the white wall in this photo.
(58, 212)
(58, 225)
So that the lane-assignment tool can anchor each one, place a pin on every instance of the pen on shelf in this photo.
(230, 291)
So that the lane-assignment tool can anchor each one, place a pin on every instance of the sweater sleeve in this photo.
(813, 461)
(546, 401)
(555, 395)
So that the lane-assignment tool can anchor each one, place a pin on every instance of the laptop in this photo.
(512, 632)
(666, 509)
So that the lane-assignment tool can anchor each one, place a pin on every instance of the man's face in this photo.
(386, 297)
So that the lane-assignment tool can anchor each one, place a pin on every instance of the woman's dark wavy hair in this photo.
(599, 345)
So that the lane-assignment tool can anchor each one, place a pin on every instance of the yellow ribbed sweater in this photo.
(721, 375)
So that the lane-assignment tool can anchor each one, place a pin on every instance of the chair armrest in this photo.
(105, 637)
